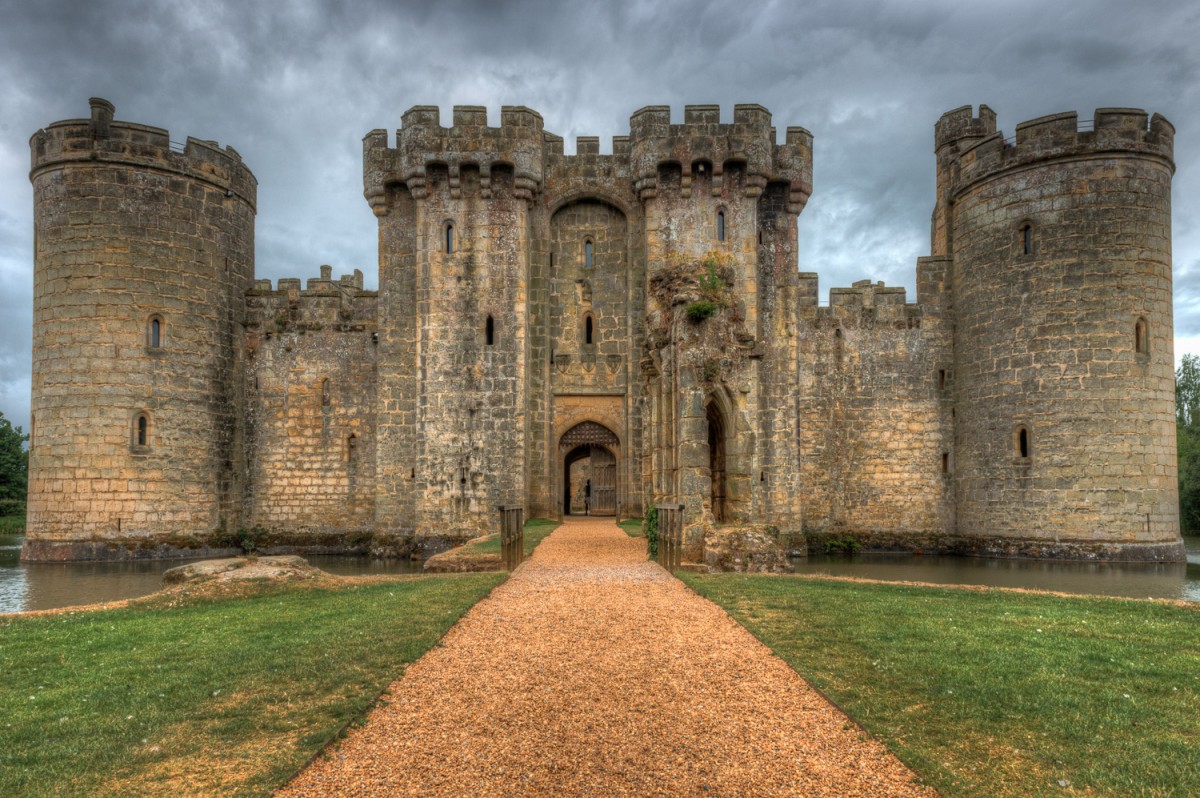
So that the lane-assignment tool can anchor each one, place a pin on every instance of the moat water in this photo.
(44, 586)
(40, 586)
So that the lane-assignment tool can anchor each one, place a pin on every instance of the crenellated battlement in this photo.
(318, 303)
(102, 139)
(422, 142)
(961, 123)
(749, 142)
(1111, 130)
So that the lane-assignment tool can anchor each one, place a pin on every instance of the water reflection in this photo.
(1136, 580)
(42, 586)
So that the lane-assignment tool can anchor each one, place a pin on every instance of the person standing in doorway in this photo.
(587, 497)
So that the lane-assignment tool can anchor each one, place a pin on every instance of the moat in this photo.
(40, 586)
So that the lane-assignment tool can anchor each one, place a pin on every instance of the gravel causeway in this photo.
(592, 672)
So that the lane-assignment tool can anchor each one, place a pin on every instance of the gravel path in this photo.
(591, 672)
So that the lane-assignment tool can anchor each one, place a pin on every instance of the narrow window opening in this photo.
(325, 393)
(489, 331)
(551, 260)
(1022, 442)
(351, 448)
(155, 333)
(412, 473)
(141, 430)
(1141, 337)
(720, 225)
(587, 329)
(945, 462)
(588, 248)
(1027, 238)
(449, 239)
(941, 379)
(760, 237)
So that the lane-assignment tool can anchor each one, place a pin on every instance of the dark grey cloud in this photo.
(294, 86)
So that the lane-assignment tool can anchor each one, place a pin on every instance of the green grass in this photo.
(995, 693)
(213, 697)
(632, 527)
(536, 530)
(12, 525)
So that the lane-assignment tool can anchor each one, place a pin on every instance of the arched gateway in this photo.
(589, 457)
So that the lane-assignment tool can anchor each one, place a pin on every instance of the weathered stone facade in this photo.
(606, 331)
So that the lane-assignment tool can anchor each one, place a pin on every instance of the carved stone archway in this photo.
(588, 452)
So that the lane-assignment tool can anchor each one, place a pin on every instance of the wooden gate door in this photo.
(604, 481)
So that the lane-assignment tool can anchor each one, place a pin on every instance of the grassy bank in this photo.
(217, 697)
(536, 530)
(995, 693)
(12, 525)
(633, 527)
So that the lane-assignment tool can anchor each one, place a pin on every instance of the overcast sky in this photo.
(295, 86)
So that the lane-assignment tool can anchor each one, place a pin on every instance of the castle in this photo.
(604, 332)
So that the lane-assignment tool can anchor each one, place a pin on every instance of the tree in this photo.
(14, 464)
(1187, 430)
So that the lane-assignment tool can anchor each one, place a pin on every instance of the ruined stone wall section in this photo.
(129, 229)
(700, 183)
(311, 404)
(1048, 343)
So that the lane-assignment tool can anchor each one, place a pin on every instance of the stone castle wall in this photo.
(532, 302)
(310, 402)
(875, 439)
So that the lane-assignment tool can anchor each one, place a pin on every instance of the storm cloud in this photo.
(295, 86)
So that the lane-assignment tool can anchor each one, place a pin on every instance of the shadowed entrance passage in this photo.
(589, 470)
(593, 672)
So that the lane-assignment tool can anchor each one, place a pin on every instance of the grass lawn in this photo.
(536, 530)
(210, 697)
(995, 693)
(632, 527)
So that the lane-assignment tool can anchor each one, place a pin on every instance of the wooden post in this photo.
(670, 535)
(512, 535)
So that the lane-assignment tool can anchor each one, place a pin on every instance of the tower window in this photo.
(489, 331)
(351, 448)
(141, 430)
(1027, 239)
(941, 379)
(720, 225)
(449, 238)
(1141, 337)
(588, 248)
(154, 332)
(325, 393)
(1022, 442)
(587, 329)
(945, 462)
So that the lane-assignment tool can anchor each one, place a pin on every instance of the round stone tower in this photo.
(143, 252)
(1063, 367)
